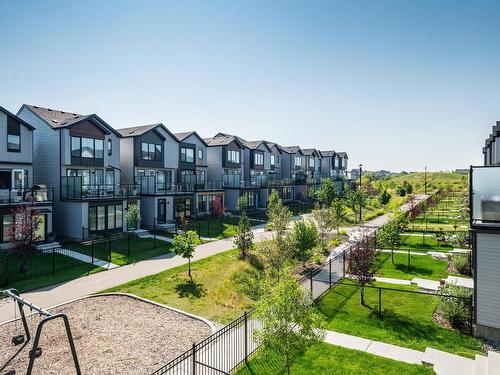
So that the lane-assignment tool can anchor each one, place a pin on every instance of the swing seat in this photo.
(17, 340)
(38, 352)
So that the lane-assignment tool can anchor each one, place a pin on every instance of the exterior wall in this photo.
(214, 161)
(286, 165)
(231, 199)
(26, 136)
(193, 139)
(487, 280)
(127, 160)
(245, 164)
(171, 149)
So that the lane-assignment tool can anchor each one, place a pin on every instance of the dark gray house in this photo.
(79, 156)
(16, 177)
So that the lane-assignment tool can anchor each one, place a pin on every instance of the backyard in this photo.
(423, 266)
(407, 318)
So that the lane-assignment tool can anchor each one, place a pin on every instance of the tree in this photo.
(243, 238)
(184, 245)
(272, 255)
(351, 203)
(362, 266)
(289, 320)
(323, 220)
(218, 209)
(408, 187)
(384, 197)
(242, 204)
(304, 238)
(326, 192)
(23, 231)
(279, 217)
(338, 213)
(133, 216)
(401, 191)
(388, 236)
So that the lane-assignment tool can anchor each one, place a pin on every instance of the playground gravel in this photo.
(113, 335)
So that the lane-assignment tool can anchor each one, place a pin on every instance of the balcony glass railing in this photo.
(485, 190)
(73, 188)
(13, 197)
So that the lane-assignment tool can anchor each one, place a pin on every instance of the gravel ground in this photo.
(113, 335)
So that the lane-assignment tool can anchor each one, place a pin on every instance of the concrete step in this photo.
(447, 364)
(493, 363)
(48, 246)
(480, 365)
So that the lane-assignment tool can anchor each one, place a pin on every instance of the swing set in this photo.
(20, 338)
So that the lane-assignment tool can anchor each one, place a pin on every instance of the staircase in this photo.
(450, 364)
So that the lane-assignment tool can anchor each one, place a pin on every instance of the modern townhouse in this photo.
(485, 229)
(334, 165)
(79, 156)
(313, 160)
(193, 172)
(149, 157)
(293, 166)
(16, 178)
(276, 181)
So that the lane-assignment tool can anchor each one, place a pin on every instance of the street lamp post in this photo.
(360, 206)
(425, 180)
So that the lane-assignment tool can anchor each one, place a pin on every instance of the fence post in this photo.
(154, 233)
(246, 337)
(471, 314)
(311, 282)
(409, 266)
(92, 248)
(194, 358)
(128, 245)
(380, 303)
(83, 234)
(343, 263)
(330, 274)
(53, 260)
(109, 243)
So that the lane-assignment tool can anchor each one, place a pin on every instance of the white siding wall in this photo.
(488, 279)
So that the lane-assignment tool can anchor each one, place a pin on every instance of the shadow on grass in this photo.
(413, 269)
(190, 289)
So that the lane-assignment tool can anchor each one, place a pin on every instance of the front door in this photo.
(162, 211)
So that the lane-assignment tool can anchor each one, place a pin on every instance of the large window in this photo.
(273, 162)
(200, 153)
(13, 135)
(6, 225)
(233, 156)
(110, 147)
(187, 155)
(151, 151)
(258, 159)
(105, 217)
(88, 148)
(202, 203)
(298, 161)
(311, 162)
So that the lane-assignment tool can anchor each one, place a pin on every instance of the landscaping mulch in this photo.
(113, 335)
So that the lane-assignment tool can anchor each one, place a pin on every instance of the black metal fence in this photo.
(15, 267)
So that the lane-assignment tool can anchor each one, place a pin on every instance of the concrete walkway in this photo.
(85, 258)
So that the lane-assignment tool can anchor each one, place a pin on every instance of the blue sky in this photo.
(397, 84)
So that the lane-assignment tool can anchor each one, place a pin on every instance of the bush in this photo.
(248, 282)
(461, 263)
(456, 311)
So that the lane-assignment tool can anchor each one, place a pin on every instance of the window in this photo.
(202, 203)
(233, 156)
(87, 148)
(101, 217)
(111, 217)
(298, 161)
(141, 172)
(272, 160)
(99, 177)
(259, 159)
(200, 153)
(6, 225)
(151, 151)
(99, 149)
(311, 162)
(119, 216)
(110, 147)
(13, 135)
(187, 155)
(76, 149)
(110, 177)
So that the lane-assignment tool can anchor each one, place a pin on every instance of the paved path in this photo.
(85, 258)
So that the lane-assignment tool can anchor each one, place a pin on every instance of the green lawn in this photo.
(422, 242)
(423, 266)
(213, 227)
(215, 293)
(326, 359)
(42, 269)
(407, 319)
(140, 249)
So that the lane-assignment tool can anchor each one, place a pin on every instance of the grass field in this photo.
(329, 359)
(423, 266)
(435, 181)
(214, 293)
(140, 249)
(41, 269)
(407, 319)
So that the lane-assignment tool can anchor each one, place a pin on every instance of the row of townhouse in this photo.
(81, 174)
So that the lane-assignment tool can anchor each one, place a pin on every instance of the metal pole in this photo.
(330, 273)
(360, 208)
(425, 180)
(311, 282)
(194, 358)
(154, 233)
(380, 302)
(53, 260)
(246, 337)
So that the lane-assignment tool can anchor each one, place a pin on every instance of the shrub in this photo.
(461, 263)
(248, 282)
(456, 311)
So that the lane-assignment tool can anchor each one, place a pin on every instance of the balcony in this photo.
(73, 188)
(485, 196)
(235, 181)
(15, 197)
(300, 179)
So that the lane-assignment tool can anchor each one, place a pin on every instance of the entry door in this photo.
(18, 179)
(162, 211)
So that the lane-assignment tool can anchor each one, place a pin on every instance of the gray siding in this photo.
(488, 279)
(26, 154)
(127, 160)
(214, 160)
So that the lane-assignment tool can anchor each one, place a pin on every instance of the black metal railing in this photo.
(73, 188)
(13, 197)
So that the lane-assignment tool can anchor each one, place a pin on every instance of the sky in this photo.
(398, 85)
